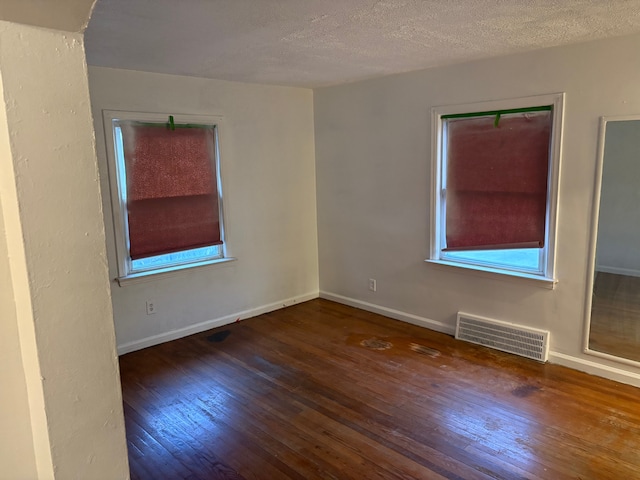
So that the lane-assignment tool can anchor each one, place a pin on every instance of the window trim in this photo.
(119, 212)
(435, 256)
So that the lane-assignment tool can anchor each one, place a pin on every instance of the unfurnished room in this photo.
(319, 239)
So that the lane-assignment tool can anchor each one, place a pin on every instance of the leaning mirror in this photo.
(613, 295)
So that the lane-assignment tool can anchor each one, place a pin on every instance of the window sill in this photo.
(496, 273)
(143, 277)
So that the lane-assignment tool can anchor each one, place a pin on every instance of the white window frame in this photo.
(117, 186)
(544, 278)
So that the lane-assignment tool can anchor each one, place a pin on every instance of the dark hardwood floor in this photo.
(323, 391)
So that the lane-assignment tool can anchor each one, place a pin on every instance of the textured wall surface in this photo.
(66, 15)
(373, 157)
(56, 249)
(17, 457)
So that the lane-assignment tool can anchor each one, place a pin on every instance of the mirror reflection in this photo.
(615, 301)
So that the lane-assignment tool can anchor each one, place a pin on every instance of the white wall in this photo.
(268, 171)
(619, 222)
(67, 15)
(373, 145)
(17, 458)
(49, 195)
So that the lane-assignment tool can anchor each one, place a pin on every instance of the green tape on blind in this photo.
(499, 112)
(165, 125)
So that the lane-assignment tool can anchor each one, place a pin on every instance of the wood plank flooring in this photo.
(324, 391)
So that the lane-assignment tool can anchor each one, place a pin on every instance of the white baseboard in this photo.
(629, 272)
(594, 368)
(390, 312)
(576, 363)
(209, 324)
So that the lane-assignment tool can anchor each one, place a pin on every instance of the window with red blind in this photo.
(172, 193)
(497, 183)
(496, 180)
(168, 198)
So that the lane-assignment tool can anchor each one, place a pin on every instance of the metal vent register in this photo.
(523, 341)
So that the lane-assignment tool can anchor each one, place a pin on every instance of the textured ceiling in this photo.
(313, 43)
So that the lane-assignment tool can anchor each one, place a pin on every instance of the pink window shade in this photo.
(172, 194)
(496, 183)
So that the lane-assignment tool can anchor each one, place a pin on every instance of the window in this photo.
(495, 175)
(166, 191)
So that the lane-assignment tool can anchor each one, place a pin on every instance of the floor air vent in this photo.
(523, 341)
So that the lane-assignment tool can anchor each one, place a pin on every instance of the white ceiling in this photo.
(313, 43)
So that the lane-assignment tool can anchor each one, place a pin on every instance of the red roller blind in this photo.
(496, 180)
(172, 194)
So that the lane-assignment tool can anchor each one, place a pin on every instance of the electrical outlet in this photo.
(151, 307)
(372, 284)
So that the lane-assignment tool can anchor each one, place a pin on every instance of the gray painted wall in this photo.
(373, 154)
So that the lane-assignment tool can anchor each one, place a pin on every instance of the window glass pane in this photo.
(521, 259)
(176, 258)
